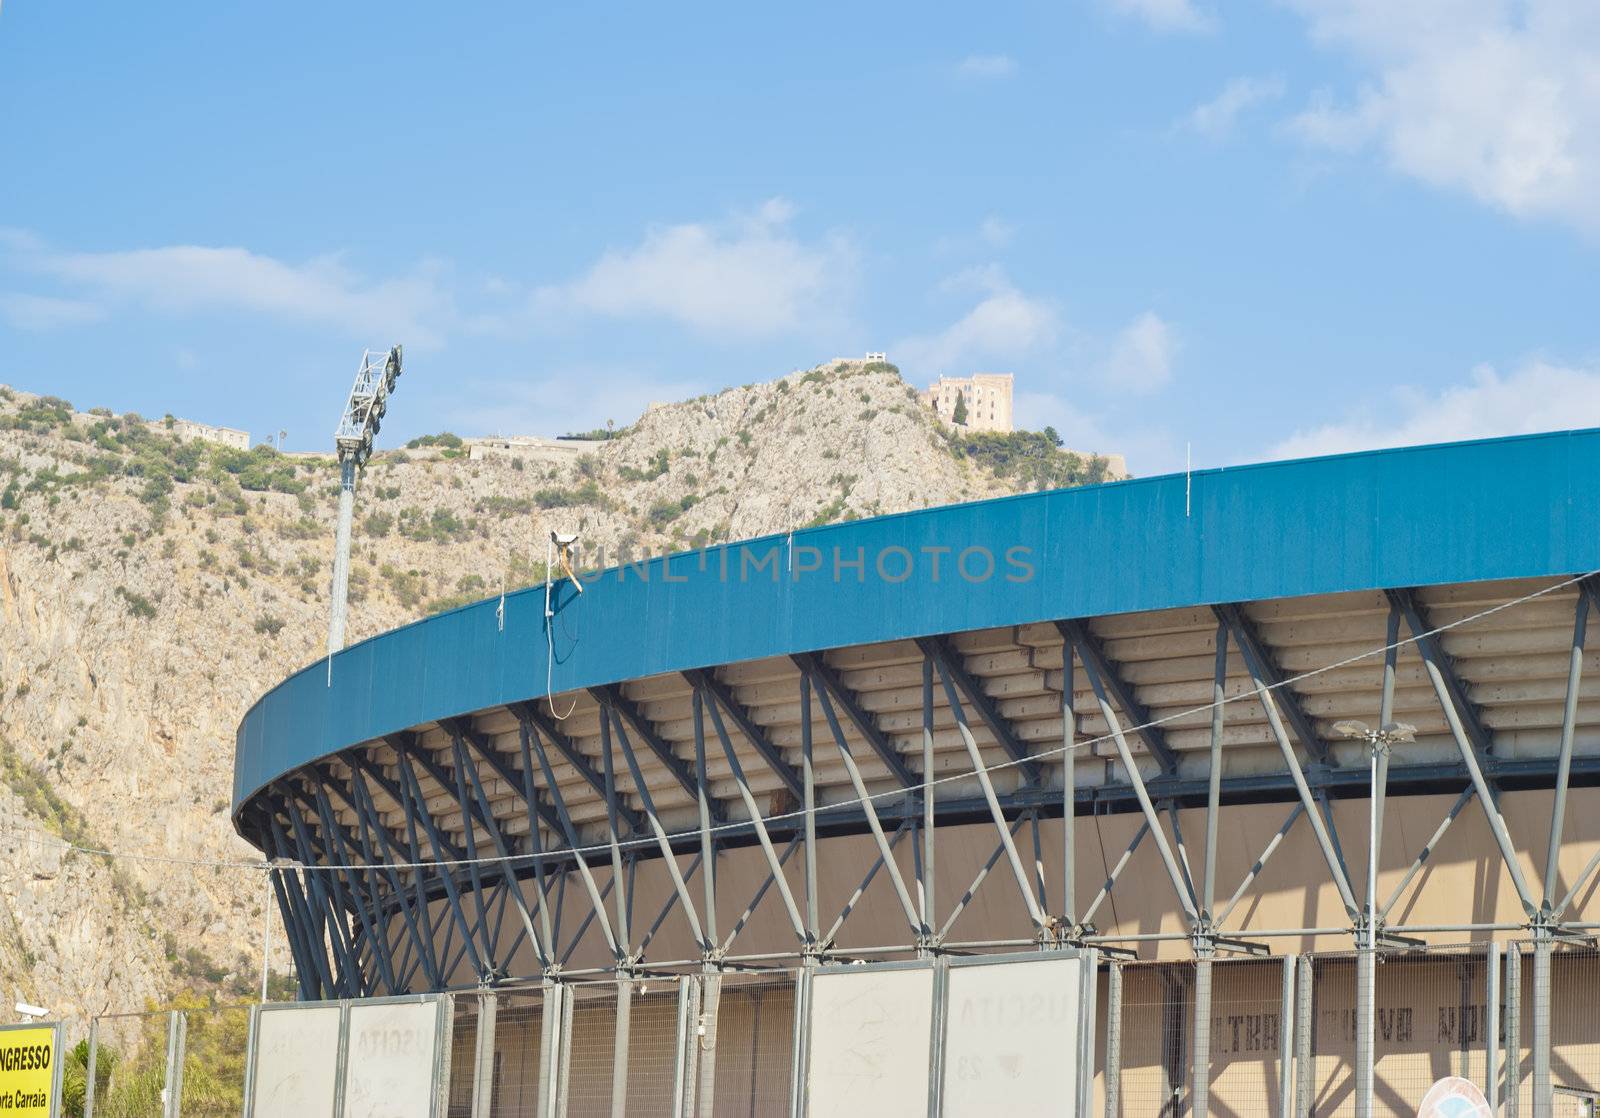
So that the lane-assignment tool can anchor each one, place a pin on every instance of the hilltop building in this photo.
(188, 429)
(987, 399)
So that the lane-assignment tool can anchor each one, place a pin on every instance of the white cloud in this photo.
(748, 276)
(995, 232)
(1141, 356)
(1496, 98)
(1215, 118)
(1165, 15)
(45, 312)
(188, 278)
(987, 66)
(1004, 324)
(1537, 396)
(554, 403)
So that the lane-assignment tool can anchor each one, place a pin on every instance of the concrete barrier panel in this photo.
(296, 1063)
(871, 1041)
(1011, 1033)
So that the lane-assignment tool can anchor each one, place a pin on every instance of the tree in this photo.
(959, 416)
(1050, 433)
(75, 1077)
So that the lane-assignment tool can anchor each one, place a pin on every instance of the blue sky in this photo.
(1262, 229)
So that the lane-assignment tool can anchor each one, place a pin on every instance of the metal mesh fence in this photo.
(1246, 1037)
(1574, 1032)
(463, 1056)
(131, 1071)
(216, 1043)
(1156, 1000)
(1434, 1012)
(753, 1046)
(1430, 1021)
(652, 1049)
(198, 1054)
(590, 1050)
(519, 1021)
(639, 1024)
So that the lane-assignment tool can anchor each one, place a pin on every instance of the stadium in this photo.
(1295, 762)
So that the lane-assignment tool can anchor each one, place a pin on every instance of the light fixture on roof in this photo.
(559, 551)
(1387, 734)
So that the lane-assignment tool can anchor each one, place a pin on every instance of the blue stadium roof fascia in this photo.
(1461, 512)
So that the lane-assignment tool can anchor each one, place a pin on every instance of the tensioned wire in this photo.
(651, 841)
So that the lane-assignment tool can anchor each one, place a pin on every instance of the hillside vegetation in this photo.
(152, 589)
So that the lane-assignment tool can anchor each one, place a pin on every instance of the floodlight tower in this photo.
(363, 415)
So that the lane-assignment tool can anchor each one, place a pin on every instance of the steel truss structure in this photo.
(470, 851)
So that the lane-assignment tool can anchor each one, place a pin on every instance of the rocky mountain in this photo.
(151, 589)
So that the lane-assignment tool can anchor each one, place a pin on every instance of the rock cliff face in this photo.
(150, 590)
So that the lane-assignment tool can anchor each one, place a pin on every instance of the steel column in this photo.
(710, 1010)
(172, 1083)
(620, 1047)
(366, 901)
(416, 918)
(1069, 796)
(860, 786)
(1200, 1098)
(1286, 1048)
(1491, 1039)
(759, 823)
(90, 1069)
(550, 1069)
(925, 882)
(1513, 1080)
(1542, 944)
(624, 946)
(1024, 886)
(1336, 868)
(1139, 790)
(809, 802)
(1219, 681)
(662, 842)
(1469, 757)
(492, 827)
(417, 810)
(483, 1058)
(571, 832)
(688, 1043)
(1305, 1077)
(1113, 1064)
(1569, 719)
(708, 853)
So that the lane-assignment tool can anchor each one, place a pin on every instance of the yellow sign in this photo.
(27, 1071)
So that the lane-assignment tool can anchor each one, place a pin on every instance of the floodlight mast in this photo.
(358, 426)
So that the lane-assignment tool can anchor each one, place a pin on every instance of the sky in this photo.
(1242, 231)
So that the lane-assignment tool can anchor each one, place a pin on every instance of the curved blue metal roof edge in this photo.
(1457, 512)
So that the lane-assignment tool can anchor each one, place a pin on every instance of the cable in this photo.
(894, 793)
(550, 639)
